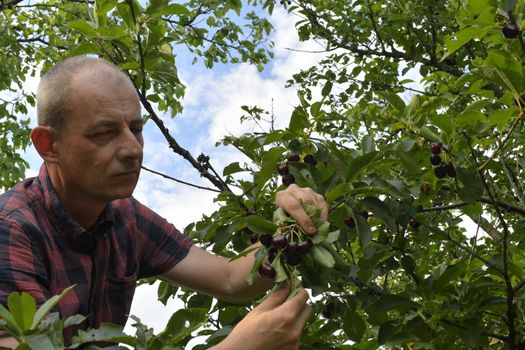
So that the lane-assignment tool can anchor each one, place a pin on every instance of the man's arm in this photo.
(225, 279)
(217, 276)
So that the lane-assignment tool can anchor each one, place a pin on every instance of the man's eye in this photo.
(102, 135)
(136, 130)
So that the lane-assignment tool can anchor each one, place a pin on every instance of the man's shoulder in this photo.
(20, 200)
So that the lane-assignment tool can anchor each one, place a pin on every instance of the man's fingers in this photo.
(290, 200)
(275, 299)
(305, 315)
(297, 303)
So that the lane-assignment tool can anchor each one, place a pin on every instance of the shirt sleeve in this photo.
(162, 246)
(21, 264)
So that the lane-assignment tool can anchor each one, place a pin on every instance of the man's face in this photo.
(100, 148)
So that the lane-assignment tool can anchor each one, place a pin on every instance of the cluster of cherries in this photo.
(281, 245)
(283, 169)
(441, 169)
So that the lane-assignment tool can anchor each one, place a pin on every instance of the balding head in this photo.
(56, 85)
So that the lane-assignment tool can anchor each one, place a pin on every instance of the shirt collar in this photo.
(80, 238)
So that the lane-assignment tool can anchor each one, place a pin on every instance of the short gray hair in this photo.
(55, 87)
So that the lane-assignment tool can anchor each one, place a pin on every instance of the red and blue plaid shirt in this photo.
(43, 250)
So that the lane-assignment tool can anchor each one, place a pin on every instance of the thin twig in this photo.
(181, 181)
(503, 142)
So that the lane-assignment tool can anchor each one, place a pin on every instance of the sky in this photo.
(212, 109)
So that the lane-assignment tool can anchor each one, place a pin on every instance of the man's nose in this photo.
(131, 145)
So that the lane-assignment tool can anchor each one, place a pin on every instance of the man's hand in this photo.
(290, 200)
(275, 324)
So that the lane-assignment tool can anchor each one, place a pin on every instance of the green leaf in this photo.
(470, 186)
(41, 342)
(427, 133)
(171, 9)
(85, 27)
(410, 163)
(232, 168)
(327, 88)
(363, 230)
(269, 165)
(322, 256)
(74, 320)
(322, 233)
(260, 256)
(394, 100)
(182, 323)
(83, 49)
(354, 326)
(107, 332)
(45, 308)
(258, 224)
(381, 210)
(392, 301)
(11, 322)
(298, 121)
(127, 15)
(500, 118)
(509, 70)
(102, 7)
(133, 65)
(280, 273)
(358, 164)
(367, 144)
(22, 307)
(462, 37)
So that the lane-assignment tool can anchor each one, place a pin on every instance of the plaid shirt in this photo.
(44, 250)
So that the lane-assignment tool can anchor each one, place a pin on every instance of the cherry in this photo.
(294, 259)
(254, 239)
(267, 271)
(349, 221)
(364, 214)
(414, 223)
(328, 309)
(435, 159)
(283, 169)
(510, 31)
(265, 239)
(304, 246)
(292, 248)
(279, 241)
(440, 172)
(450, 170)
(293, 158)
(310, 159)
(288, 179)
(435, 148)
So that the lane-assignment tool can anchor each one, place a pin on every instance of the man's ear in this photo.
(44, 139)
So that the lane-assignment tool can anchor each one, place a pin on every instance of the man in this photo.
(77, 223)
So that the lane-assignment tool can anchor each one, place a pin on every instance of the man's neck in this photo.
(84, 209)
